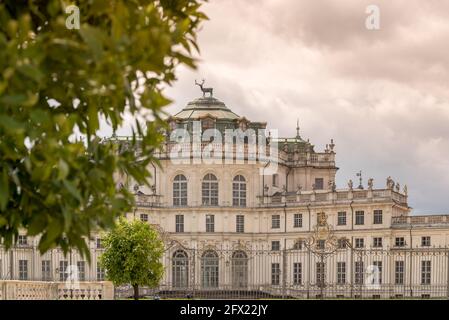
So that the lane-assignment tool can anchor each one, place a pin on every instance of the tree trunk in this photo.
(136, 291)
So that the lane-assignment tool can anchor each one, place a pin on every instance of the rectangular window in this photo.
(275, 274)
(359, 242)
(23, 269)
(377, 242)
(399, 242)
(377, 217)
(144, 217)
(341, 243)
(359, 272)
(425, 241)
(275, 221)
(275, 245)
(210, 223)
(179, 223)
(399, 272)
(46, 270)
(99, 243)
(239, 191)
(297, 245)
(377, 279)
(425, 272)
(320, 273)
(341, 218)
(297, 273)
(321, 244)
(297, 220)
(359, 218)
(240, 224)
(81, 270)
(210, 192)
(180, 191)
(275, 180)
(341, 272)
(63, 272)
(319, 184)
(100, 273)
(22, 240)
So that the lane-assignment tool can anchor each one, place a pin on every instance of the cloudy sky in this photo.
(382, 95)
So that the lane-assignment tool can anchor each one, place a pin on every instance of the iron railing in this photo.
(25, 262)
(257, 272)
(305, 273)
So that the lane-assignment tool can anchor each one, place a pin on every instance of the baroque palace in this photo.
(244, 221)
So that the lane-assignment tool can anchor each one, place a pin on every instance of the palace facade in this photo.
(231, 225)
(270, 221)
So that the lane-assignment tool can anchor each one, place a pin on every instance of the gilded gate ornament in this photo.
(322, 241)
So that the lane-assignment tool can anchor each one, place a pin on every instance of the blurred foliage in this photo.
(56, 81)
(133, 252)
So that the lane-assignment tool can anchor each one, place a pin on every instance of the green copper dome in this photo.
(206, 106)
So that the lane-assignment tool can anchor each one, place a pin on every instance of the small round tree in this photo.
(133, 252)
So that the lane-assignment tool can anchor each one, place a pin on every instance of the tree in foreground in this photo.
(57, 80)
(133, 252)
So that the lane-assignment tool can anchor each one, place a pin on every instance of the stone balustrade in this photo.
(292, 198)
(422, 220)
(330, 197)
(148, 201)
(43, 290)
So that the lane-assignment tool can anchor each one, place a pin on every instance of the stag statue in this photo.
(204, 90)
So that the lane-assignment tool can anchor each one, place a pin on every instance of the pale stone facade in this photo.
(230, 225)
(278, 211)
(299, 165)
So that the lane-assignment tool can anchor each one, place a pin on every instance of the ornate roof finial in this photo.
(205, 90)
(331, 146)
(297, 128)
(359, 174)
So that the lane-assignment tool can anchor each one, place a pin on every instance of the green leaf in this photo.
(13, 100)
(53, 232)
(4, 189)
(63, 169)
(37, 224)
(93, 37)
(31, 72)
(11, 125)
(3, 221)
(72, 188)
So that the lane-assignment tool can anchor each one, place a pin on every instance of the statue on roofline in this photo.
(370, 183)
(350, 184)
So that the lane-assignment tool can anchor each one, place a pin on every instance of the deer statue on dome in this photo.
(205, 90)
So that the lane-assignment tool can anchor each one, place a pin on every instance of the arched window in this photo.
(239, 191)
(210, 190)
(209, 269)
(239, 269)
(180, 190)
(180, 268)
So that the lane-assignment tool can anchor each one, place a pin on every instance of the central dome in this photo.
(206, 106)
